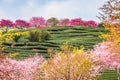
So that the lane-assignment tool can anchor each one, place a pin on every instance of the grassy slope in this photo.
(75, 36)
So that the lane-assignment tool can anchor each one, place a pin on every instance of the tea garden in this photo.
(67, 49)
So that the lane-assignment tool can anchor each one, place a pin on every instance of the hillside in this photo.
(75, 36)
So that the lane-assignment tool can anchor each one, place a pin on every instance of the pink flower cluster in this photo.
(107, 56)
(20, 70)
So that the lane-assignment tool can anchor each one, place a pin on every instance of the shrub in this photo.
(44, 35)
(34, 36)
(10, 35)
(37, 35)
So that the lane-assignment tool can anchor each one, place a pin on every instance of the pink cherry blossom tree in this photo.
(91, 23)
(11, 69)
(6, 23)
(76, 22)
(64, 22)
(38, 22)
(22, 24)
(108, 55)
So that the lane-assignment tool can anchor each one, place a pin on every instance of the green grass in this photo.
(75, 36)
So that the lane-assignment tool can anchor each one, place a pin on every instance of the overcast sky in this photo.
(25, 9)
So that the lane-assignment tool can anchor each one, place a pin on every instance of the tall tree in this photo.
(76, 22)
(22, 24)
(110, 17)
(64, 22)
(38, 22)
(110, 11)
(52, 21)
(6, 24)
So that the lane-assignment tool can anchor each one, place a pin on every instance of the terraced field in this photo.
(75, 36)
